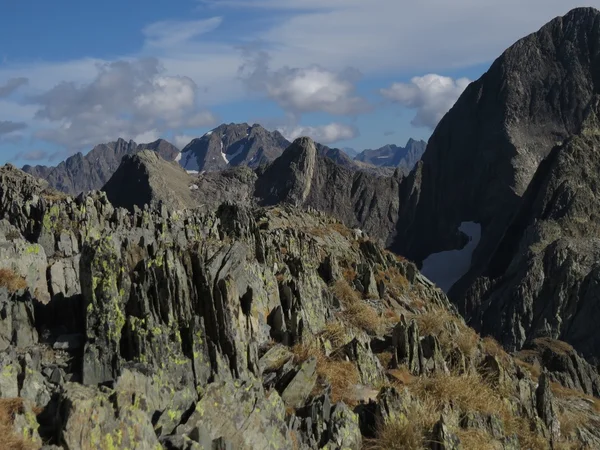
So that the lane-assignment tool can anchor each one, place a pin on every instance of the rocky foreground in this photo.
(240, 327)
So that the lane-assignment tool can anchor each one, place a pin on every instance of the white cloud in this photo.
(379, 36)
(325, 134)
(310, 44)
(147, 137)
(200, 120)
(129, 99)
(181, 140)
(169, 33)
(303, 90)
(431, 96)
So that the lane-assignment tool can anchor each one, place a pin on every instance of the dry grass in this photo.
(468, 392)
(10, 280)
(342, 376)
(341, 229)
(528, 438)
(396, 283)
(571, 421)
(356, 312)
(349, 274)
(475, 439)
(9, 407)
(53, 196)
(450, 330)
(409, 433)
(492, 347)
(534, 369)
(336, 333)
(401, 376)
(385, 359)
(559, 347)
(564, 393)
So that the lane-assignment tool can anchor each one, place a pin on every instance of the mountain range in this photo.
(229, 145)
(249, 292)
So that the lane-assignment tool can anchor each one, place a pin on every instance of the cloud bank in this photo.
(325, 134)
(431, 96)
(129, 99)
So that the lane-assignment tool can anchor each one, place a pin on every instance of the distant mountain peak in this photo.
(83, 173)
(392, 155)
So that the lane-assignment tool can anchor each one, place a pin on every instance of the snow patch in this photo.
(192, 172)
(194, 187)
(446, 268)
(223, 155)
(208, 133)
(178, 157)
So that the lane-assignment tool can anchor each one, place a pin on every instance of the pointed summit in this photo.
(289, 178)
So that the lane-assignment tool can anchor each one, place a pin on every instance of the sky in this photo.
(349, 73)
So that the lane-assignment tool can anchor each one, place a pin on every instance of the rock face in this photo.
(491, 162)
(146, 179)
(304, 178)
(395, 156)
(238, 326)
(548, 257)
(81, 173)
(233, 145)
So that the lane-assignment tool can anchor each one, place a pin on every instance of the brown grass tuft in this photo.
(10, 280)
(356, 311)
(342, 376)
(336, 333)
(534, 369)
(53, 196)
(385, 359)
(563, 392)
(556, 346)
(407, 434)
(492, 347)
(476, 439)
(9, 407)
(349, 274)
(450, 330)
(468, 392)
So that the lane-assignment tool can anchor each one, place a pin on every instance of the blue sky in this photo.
(349, 73)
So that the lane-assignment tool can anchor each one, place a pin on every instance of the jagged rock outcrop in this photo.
(491, 162)
(303, 178)
(206, 327)
(233, 145)
(563, 365)
(485, 151)
(395, 156)
(145, 178)
(547, 258)
(84, 173)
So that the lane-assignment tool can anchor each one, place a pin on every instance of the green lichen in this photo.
(33, 249)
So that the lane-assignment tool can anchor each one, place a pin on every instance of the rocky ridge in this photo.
(244, 327)
(394, 156)
(80, 173)
(233, 145)
(511, 156)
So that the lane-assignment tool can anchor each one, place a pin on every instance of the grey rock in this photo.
(90, 421)
(395, 156)
(84, 173)
(69, 342)
(298, 390)
(233, 145)
(145, 178)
